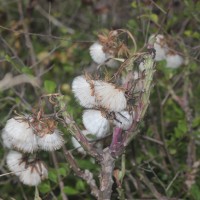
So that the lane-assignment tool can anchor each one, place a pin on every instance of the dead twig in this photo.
(85, 175)
(27, 37)
(9, 81)
(61, 184)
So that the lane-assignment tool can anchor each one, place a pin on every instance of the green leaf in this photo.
(80, 185)
(62, 171)
(181, 129)
(195, 192)
(196, 122)
(44, 188)
(70, 191)
(53, 175)
(49, 86)
(154, 18)
(134, 4)
(172, 151)
(26, 70)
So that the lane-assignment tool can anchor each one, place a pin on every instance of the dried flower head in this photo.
(96, 123)
(109, 96)
(107, 48)
(51, 141)
(97, 53)
(174, 60)
(123, 119)
(20, 134)
(43, 126)
(34, 173)
(6, 140)
(15, 162)
(160, 45)
(84, 91)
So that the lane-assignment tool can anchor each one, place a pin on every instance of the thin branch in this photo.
(61, 184)
(106, 180)
(152, 140)
(9, 81)
(27, 38)
(85, 175)
(76, 132)
(151, 186)
(170, 184)
(53, 20)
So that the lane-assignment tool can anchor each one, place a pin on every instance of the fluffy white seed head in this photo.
(34, 174)
(123, 120)
(21, 135)
(95, 123)
(6, 140)
(110, 97)
(83, 92)
(15, 162)
(174, 61)
(97, 53)
(51, 141)
(159, 45)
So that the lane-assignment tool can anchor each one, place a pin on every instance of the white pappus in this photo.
(34, 173)
(20, 135)
(83, 92)
(174, 61)
(96, 123)
(51, 141)
(159, 44)
(110, 97)
(15, 162)
(123, 119)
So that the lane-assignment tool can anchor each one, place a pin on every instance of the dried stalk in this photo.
(76, 132)
(106, 180)
(61, 184)
(152, 188)
(9, 81)
(26, 35)
(85, 175)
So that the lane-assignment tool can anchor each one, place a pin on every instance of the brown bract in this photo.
(112, 45)
(44, 126)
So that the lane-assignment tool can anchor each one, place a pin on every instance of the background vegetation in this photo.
(49, 41)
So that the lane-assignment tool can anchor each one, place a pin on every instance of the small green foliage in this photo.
(70, 190)
(195, 192)
(49, 86)
(44, 187)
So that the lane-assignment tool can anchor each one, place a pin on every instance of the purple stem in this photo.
(116, 140)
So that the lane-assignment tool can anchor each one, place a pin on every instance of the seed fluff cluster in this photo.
(164, 51)
(30, 171)
(107, 48)
(105, 105)
(28, 134)
(106, 102)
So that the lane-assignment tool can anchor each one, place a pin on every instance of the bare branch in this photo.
(85, 175)
(106, 180)
(61, 184)
(9, 81)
